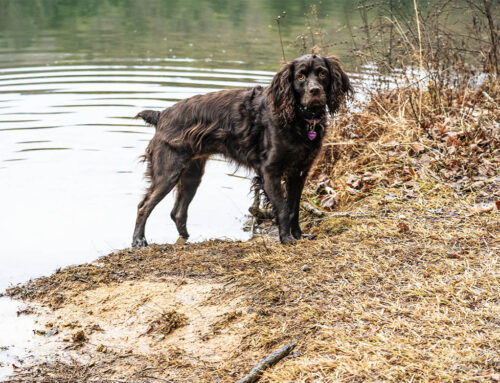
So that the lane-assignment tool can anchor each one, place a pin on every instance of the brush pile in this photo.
(387, 143)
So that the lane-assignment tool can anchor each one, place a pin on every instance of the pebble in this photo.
(52, 332)
(306, 268)
(78, 336)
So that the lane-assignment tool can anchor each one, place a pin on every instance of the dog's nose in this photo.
(314, 89)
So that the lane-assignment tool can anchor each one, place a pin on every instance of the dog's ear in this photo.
(340, 86)
(280, 93)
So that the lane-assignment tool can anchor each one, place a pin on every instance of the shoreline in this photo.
(210, 311)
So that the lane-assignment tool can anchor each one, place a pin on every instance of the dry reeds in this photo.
(383, 145)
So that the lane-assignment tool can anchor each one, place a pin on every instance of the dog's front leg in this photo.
(294, 185)
(272, 187)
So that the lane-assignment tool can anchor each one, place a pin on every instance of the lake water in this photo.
(72, 74)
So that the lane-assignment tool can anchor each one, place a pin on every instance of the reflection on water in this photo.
(213, 31)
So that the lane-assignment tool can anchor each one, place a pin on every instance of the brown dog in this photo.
(276, 131)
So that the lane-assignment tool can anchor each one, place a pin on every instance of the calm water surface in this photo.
(72, 74)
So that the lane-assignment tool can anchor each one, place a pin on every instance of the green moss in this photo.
(336, 226)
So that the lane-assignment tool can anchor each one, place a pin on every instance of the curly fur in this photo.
(340, 86)
(263, 129)
(281, 94)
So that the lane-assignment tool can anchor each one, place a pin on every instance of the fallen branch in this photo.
(329, 214)
(270, 361)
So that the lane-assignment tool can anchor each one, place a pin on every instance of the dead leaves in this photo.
(403, 227)
(417, 148)
(381, 145)
(329, 201)
(166, 323)
(481, 209)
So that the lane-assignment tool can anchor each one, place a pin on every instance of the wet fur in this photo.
(262, 129)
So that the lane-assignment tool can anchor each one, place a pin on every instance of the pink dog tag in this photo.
(311, 135)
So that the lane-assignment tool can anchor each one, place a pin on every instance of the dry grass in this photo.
(401, 284)
(382, 301)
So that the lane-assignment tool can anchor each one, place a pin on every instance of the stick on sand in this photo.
(270, 361)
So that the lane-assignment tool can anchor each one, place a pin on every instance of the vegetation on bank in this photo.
(430, 105)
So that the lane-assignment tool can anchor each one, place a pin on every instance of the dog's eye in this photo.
(301, 77)
(322, 74)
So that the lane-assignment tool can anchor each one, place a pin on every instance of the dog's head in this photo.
(312, 81)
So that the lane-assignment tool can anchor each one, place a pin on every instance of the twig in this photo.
(377, 153)
(424, 78)
(386, 112)
(343, 143)
(364, 143)
(270, 361)
(313, 210)
(80, 279)
(237, 176)
(421, 62)
(331, 214)
(278, 19)
(489, 98)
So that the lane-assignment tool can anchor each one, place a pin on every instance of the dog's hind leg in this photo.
(186, 189)
(167, 168)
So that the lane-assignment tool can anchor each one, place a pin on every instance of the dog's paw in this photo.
(139, 242)
(181, 241)
(288, 240)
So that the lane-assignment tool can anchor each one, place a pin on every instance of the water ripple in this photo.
(69, 158)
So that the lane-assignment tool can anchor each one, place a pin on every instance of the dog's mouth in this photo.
(315, 103)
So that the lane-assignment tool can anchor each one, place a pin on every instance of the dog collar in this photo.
(311, 128)
(312, 120)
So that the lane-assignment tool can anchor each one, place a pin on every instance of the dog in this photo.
(276, 131)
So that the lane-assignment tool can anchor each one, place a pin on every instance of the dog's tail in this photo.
(150, 116)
